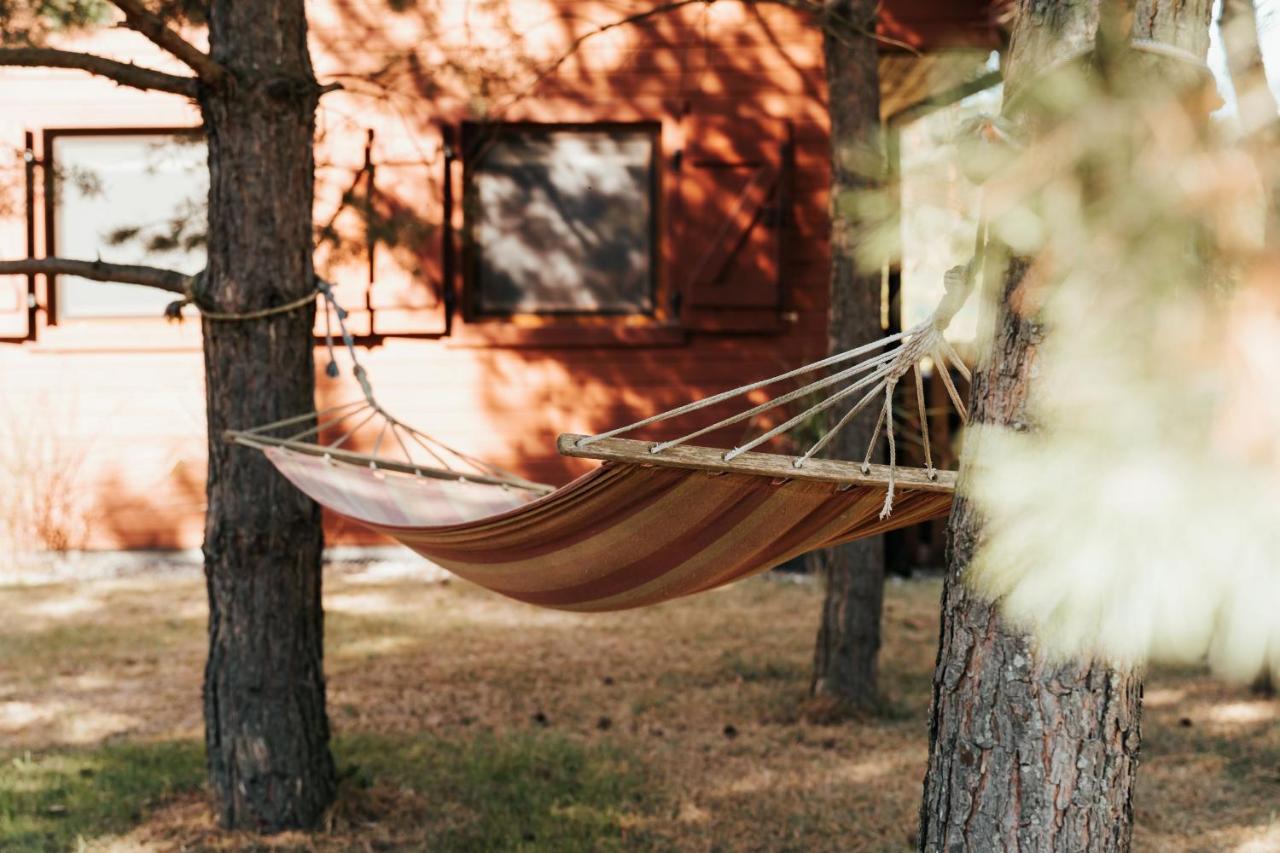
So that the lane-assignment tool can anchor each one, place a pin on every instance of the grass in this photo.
(522, 791)
(55, 800)
(515, 792)
(466, 722)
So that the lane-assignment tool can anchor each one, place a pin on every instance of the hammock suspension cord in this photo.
(445, 460)
(872, 372)
(884, 370)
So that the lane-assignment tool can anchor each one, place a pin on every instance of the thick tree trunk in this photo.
(1025, 754)
(266, 730)
(848, 644)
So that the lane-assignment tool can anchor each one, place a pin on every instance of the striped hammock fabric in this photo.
(620, 537)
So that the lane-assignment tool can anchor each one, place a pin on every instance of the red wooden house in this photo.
(538, 223)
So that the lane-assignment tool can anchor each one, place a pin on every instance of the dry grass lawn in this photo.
(463, 721)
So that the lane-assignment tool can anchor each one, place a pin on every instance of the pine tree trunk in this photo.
(265, 726)
(848, 644)
(1024, 754)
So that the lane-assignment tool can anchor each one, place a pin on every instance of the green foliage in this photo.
(30, 21)
(55, 800)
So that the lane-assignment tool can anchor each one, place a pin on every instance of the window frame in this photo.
(48, 162)
(559, 324)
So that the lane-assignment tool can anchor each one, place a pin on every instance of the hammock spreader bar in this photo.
(258, 442)
(774, 466)
(657, 520)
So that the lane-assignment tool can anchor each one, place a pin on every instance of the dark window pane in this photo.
(562, 221)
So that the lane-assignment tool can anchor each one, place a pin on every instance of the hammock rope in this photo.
(875, 373)
(874, 370)
(657, 521)
(924, 342)
(446, 461)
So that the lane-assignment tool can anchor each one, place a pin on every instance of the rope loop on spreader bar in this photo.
(875, 371)
(408, 445)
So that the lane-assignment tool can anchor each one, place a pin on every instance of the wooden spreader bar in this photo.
(633, 452)
(259, 441)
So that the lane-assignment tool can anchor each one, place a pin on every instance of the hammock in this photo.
(655, 521)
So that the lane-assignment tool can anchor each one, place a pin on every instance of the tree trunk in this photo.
(848, 644)
(1025, 754)
(265, 726)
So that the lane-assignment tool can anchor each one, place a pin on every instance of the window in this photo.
(561, 220)
(126, 198)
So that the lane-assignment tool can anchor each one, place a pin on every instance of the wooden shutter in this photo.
(14, 314)
(727, 223)
(381, 242)
(407, 292)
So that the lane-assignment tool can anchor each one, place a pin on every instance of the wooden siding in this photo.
(128, 396)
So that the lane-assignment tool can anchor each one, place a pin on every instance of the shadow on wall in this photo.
(42, 506)
(169, 515)
(711, 221)
(141, 498)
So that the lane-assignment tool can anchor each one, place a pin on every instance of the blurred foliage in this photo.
(33, 21)
(190, 12)
(1140, 518)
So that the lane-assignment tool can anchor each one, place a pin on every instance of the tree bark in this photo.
(265, 726)
(848, 643)
(1023, 753)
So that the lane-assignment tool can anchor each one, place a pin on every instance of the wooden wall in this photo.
(126, 396)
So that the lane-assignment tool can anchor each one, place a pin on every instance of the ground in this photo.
(463, 721)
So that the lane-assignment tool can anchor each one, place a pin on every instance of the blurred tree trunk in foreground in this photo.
(848, 643)
(265, 726)
(1026, 754)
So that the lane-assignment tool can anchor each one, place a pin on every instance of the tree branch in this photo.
(137, 17)
(170, 281)
(946, 97)
(125, 73)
